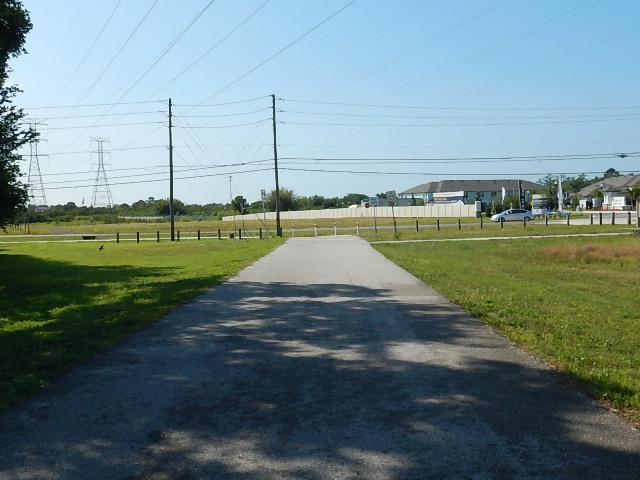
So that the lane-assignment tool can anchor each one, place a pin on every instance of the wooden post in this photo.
(118, 237)
(137, 237)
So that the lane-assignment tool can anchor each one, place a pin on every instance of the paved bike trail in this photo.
(323, 360)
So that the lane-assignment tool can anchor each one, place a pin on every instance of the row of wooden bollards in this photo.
(231, 235)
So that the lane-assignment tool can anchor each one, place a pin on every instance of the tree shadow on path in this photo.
(283, 381)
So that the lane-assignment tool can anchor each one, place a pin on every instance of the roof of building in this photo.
(472, 186)
(612, 184)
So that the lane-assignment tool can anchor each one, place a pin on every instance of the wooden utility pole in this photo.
(275, 161)
(171, 210)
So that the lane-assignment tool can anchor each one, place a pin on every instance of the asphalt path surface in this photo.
(323, 360)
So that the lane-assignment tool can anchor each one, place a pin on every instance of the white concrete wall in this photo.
(427, 211)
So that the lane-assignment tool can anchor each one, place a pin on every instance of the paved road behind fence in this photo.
(321, 361)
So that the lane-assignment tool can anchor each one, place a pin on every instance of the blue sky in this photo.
(371, 95)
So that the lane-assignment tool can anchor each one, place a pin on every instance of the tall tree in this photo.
(14, 26)
(288, 200)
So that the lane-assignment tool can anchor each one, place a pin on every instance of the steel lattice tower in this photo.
(37, 197)
(101, 192)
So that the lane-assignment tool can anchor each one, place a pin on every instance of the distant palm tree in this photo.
(634, 193)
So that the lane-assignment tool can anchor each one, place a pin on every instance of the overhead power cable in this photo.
(72, 76)
(286, 47)
(145, 70)
(186, 69)
(488, 109)
(117, 54)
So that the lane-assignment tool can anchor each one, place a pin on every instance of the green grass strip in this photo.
(61, 303)
(572, 302)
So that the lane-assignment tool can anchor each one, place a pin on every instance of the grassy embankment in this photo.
(572, 302)
(63, 302)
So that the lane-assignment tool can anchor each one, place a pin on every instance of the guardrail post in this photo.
(501, 222)
(546, 220)
(524, 222)
(315, 230)
(629, 220)
(358, 228)
(613, 218)
(459, 225)
(293, 230)
(198, 235)
(438, 224)
(118, 236)
(335, 229)
(137, 237)
(480, 223)
(260, 233)
(158, 236)
(417, 227)
(178, 237)
(600, 218)
(239, 234)
(591, 218)
(219, 237)
(568, 217)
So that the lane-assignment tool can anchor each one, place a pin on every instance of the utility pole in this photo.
(275, 161)
(171, 209)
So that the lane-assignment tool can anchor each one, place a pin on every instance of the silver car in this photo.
(513, 215)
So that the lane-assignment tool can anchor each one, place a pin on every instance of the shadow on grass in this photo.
(281, 381)
(54, 314)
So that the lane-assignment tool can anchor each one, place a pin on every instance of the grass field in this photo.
(572, 302)
(63, 302)
(569, 301)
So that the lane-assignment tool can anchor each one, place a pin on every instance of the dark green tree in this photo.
(353, 199)
(611, 172)
(634, 193)
(239, 204)
(14, 25)
(162, 207)
(288, 200)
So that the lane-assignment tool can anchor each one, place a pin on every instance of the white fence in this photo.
(427, 211)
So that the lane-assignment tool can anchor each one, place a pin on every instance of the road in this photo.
(321, 361)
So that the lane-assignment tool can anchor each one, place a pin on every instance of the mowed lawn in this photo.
(571, 302)
(61, 303)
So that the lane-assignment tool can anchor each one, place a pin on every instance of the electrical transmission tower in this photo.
(101, 192)
(37, 197)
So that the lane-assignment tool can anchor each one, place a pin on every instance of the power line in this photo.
(165, 50)
(87, 53)
(289, 45)
(117, 54)
(210, 49)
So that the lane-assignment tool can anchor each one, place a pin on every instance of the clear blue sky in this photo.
(372, 95)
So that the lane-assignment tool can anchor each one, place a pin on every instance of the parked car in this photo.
(513, 215)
